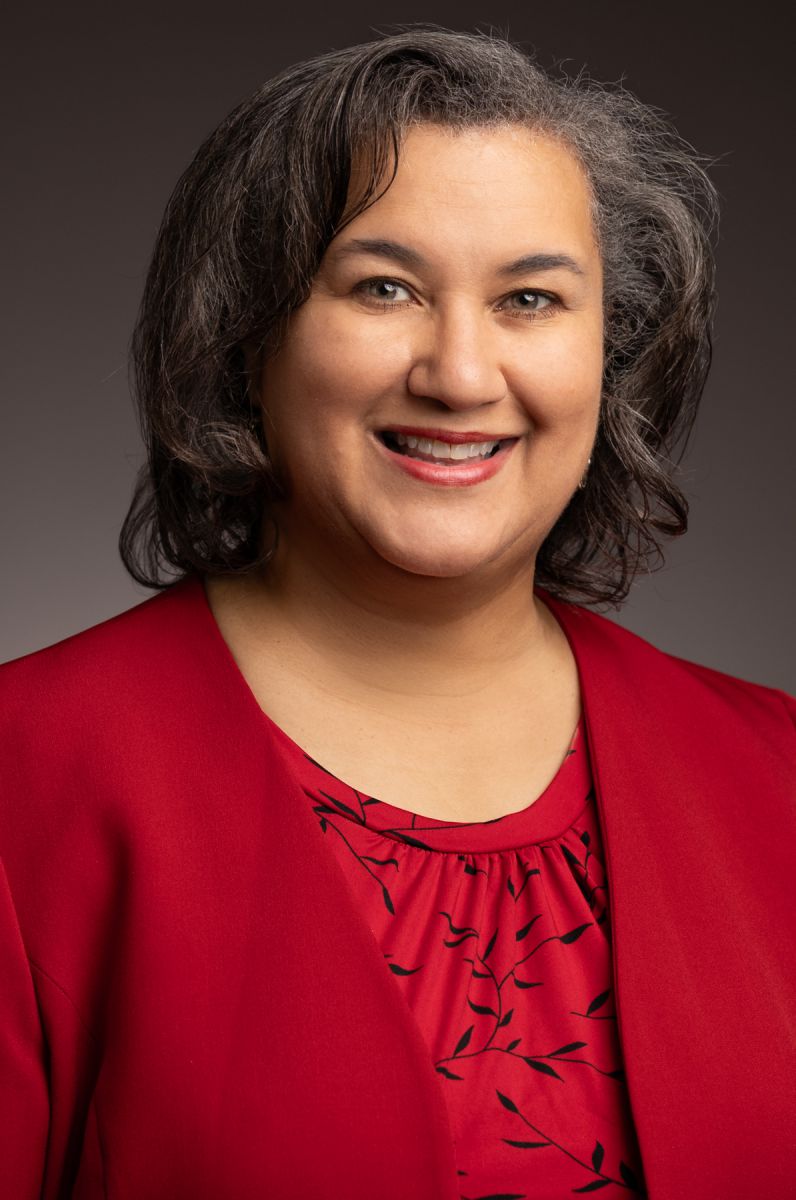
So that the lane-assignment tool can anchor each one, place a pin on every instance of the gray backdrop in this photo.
(107, 107)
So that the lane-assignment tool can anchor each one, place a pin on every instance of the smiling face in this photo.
(467, 299)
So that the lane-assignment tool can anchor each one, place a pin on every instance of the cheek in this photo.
(332, 364)
(560, 380)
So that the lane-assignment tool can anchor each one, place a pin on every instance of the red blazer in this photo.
(193, 1007)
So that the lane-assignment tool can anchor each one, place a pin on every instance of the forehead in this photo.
(492, 185)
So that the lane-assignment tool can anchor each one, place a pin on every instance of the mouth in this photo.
(442, 453)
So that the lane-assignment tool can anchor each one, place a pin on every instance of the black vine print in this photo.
(497, 934)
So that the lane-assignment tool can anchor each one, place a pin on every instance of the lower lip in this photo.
(462, 475)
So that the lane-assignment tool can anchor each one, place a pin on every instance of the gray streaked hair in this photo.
(247, 226)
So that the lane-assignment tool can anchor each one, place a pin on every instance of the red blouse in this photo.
(498, 935)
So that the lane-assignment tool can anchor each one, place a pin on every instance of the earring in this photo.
(582, 483)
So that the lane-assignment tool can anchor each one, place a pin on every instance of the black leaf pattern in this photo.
(342, 806)
(531, 871)
(490, 983)
(544, 1067)
(570, 857)
(482, 1009)
(410, 841)
(574, 934)
(597, 1002)
(459, 941)
(522, 933)
(454, 928)
(509, 1104)
(566, 1049)
(463, 1040)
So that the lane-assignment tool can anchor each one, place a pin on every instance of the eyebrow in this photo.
(410, 258)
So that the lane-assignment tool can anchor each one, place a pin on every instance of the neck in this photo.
(381, 630)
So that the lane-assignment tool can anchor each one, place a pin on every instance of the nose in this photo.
(456, 358)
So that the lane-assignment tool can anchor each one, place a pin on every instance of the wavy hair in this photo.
(246, 228)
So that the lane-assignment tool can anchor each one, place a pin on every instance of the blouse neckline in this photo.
(543, 819)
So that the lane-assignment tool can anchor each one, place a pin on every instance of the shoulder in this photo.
(624, 659)
(116, 742)
(63, 678)
(94, 693)
(115, 638)
(107, 745)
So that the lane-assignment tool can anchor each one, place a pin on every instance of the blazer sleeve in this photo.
(24, 1101)
(49, 1134)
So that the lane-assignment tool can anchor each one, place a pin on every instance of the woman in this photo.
(366, 859)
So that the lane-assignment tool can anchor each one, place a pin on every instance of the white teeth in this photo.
(467, 449)
(458, 450)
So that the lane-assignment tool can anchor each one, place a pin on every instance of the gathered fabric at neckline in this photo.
(498, 939)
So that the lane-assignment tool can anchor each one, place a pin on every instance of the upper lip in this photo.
(448, 435)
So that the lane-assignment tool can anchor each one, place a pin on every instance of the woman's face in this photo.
(467, 299)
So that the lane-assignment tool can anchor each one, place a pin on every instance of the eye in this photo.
(385, 293)
(531, 303)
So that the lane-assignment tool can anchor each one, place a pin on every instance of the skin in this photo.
(409, 601)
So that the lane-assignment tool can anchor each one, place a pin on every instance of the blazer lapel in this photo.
(345, 1063)
(695, 795)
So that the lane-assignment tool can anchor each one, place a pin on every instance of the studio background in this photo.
(107, 108)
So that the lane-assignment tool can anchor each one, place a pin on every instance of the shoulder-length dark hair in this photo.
(249, 221)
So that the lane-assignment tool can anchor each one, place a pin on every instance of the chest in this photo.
(452, 757)
(466, 768)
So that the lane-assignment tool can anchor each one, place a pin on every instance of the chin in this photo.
(445, 564)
